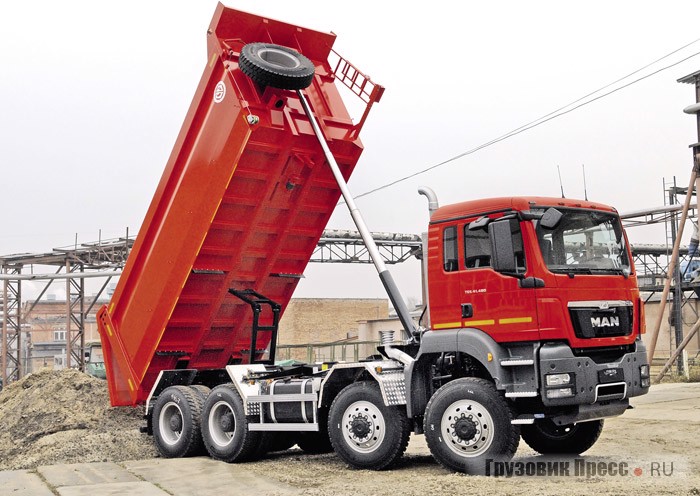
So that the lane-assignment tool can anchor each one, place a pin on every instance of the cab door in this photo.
(444, 263)
(504, 306)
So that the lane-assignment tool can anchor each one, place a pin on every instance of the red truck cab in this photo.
(550, 284)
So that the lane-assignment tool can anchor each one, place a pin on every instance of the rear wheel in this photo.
(365, 432)
(467, 422)
(547, 438)
(225, 427)
(176, 422)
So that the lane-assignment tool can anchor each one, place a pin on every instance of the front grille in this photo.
(595, 322)
(604, 355)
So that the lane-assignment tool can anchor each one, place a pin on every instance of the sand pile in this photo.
(65, 417)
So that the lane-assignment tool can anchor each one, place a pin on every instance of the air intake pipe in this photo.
(432, 198)
(387, 340)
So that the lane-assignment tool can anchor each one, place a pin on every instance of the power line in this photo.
(549, 116)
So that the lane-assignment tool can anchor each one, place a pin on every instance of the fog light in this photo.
(644, 371)
(646, 383)
(558, 379)
(553, 394)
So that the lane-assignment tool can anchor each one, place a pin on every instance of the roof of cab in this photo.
(473, 208)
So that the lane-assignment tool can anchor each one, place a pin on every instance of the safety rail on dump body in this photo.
(359, 83)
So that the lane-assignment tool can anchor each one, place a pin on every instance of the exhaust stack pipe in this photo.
(432, 198)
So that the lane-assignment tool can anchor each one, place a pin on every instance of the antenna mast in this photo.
(561, 185)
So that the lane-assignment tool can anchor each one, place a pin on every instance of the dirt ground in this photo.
(663, 429)
(64, 417)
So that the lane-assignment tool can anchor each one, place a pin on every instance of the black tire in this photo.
(176, 422)
(276, 66)
(547, 438)
(201, 390)
(365, 432)
(467, 422)
(225, 427)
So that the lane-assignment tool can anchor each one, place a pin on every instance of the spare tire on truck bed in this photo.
(277, 66)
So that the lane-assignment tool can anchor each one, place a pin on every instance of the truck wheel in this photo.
(547, 438)
(276, 66)
(176, 422)
(467, 422)
(225, 427)
(365, 432)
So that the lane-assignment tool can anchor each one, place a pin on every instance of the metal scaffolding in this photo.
(105, 259)
(11, 326)
(72, 264)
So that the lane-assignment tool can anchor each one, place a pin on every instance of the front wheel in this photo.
(466, 423)
(365, 432)
(547, 438)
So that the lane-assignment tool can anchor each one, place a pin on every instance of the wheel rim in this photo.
(170, 423)
(222, 424)
(363, 426)
(279, 58)
(467, 428)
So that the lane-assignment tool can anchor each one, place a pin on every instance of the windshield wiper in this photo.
(590, 270)
(572, 270)
(617, 270)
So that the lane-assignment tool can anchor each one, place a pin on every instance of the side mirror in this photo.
(551, 218)
(502, 249)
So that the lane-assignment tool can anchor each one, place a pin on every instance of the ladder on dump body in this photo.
(257, 302)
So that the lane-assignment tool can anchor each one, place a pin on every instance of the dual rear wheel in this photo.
(193, 420)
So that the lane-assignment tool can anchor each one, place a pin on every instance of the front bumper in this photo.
(593, 383)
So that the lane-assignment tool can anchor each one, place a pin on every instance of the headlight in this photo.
(644, 371)
(558, 379)
(646, 382)
(566, 392)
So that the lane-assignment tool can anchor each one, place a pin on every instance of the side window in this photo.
(477, 248)
(449, 249)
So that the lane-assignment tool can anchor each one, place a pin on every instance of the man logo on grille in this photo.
(605, 321)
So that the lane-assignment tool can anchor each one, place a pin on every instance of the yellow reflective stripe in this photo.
(471, 323)
(447, 325)
(515, 320)
(131, 384)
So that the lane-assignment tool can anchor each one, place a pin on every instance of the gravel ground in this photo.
(64, 417)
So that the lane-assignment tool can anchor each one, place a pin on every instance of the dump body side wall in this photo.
(241, 204)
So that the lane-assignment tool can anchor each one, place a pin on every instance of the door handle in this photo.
(467, 310)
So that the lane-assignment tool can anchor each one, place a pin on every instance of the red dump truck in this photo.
(533, 320)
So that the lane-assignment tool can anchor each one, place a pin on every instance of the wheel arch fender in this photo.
(388, 374)
(472, 342)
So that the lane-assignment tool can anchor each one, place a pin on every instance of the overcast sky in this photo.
(93, 94)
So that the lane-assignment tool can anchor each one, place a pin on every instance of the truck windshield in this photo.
(585, 242)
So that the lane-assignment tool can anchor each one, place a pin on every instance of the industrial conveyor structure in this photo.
(237, 214)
